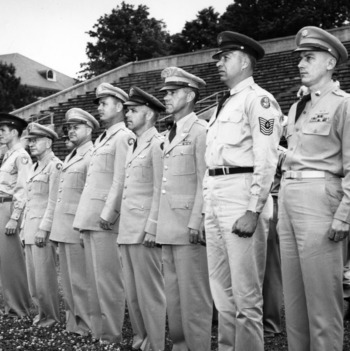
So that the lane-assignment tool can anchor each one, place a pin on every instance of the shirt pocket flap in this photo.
(317, 128)
(70, 208)
(182, 150)
(41, 178)
(182, 202)
(99, 196)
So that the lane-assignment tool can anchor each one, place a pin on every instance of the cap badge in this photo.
(304, 33)
(220, 40)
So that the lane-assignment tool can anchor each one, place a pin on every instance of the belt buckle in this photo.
(293, 175)
(225, 170)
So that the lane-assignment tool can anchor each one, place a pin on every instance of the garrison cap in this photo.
(232, 41)
(79, 116)
(139, 97)
(106, 89)
(36, 130)
(316, 39)
(11, 120)
(176, 78)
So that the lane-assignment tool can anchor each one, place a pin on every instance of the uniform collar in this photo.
(319, 94)
(242, 85)
(147, 135)
(180, 124)
(114, 128)
(46, 159)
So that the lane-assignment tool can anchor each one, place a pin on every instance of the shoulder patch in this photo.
(24, 160)
(131, 141)
(58, 166)
(265, 102)
(266, 125)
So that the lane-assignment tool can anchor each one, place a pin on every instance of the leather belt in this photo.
(229, 170)
(5, 199)
(304, 174)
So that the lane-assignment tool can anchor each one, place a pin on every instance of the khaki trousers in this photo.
(75, 287)
(105, 285)
(13, 273)
(43, 284)
(312, 265)
(144, 287)
(187, 291)
(236, 264)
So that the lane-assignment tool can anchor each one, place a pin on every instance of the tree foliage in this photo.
(197, 34)
(127, 34)
(265, 19)
(13, 95)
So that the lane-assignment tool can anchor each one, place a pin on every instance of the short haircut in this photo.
(12, 127)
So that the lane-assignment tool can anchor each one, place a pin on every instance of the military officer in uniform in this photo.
(180, 220)
(97, 216)
(314, 205)
(241, 157)
(142, 262)
(71, 184)
(13, 174)
(42, 186)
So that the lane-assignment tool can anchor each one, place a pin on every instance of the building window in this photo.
(51, 75)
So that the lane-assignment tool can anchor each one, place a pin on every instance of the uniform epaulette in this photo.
(202, 122)
(340, 92)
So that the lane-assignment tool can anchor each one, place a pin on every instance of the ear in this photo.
(89, 131)
(48, 143)
(331, 63)
(191, 96)
(119, 106)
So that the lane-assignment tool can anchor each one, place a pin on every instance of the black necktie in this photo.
(221, 103)
(172, 133)
(301, 106)
(103, 135)
(135, 145)
(73, 154)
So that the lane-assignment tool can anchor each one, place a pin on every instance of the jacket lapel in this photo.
(181, 135)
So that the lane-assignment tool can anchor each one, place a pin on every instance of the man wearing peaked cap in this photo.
(13, 174)
(314, 211)
(42, 187)
(142, 264)
(180, 221)
(317, 39)
(232, 41)
(36, 130)
(241, 158)
(138, 97)
(71, 184)
(97, 216)
(175, 78)
(106, 89)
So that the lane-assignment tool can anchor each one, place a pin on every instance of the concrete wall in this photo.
(203, 56)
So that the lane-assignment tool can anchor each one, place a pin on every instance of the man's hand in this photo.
(11, 227)
(196, 236)
(105, 225)
(245, 226)
(149, 240)
(339, 230)
(40, 238)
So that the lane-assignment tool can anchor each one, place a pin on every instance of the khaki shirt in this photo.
(246, 133)
(13, 175)
(71, 185)
(102, 194)
(42, 186)
(320, 140)
(143, 175)
(181, 196)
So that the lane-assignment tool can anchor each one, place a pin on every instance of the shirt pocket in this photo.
(142, 173)
(76, 179)
(41, 184)
(183, 202)
(105, 158)
(317, 128)
(230, 128)
(183, 162)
